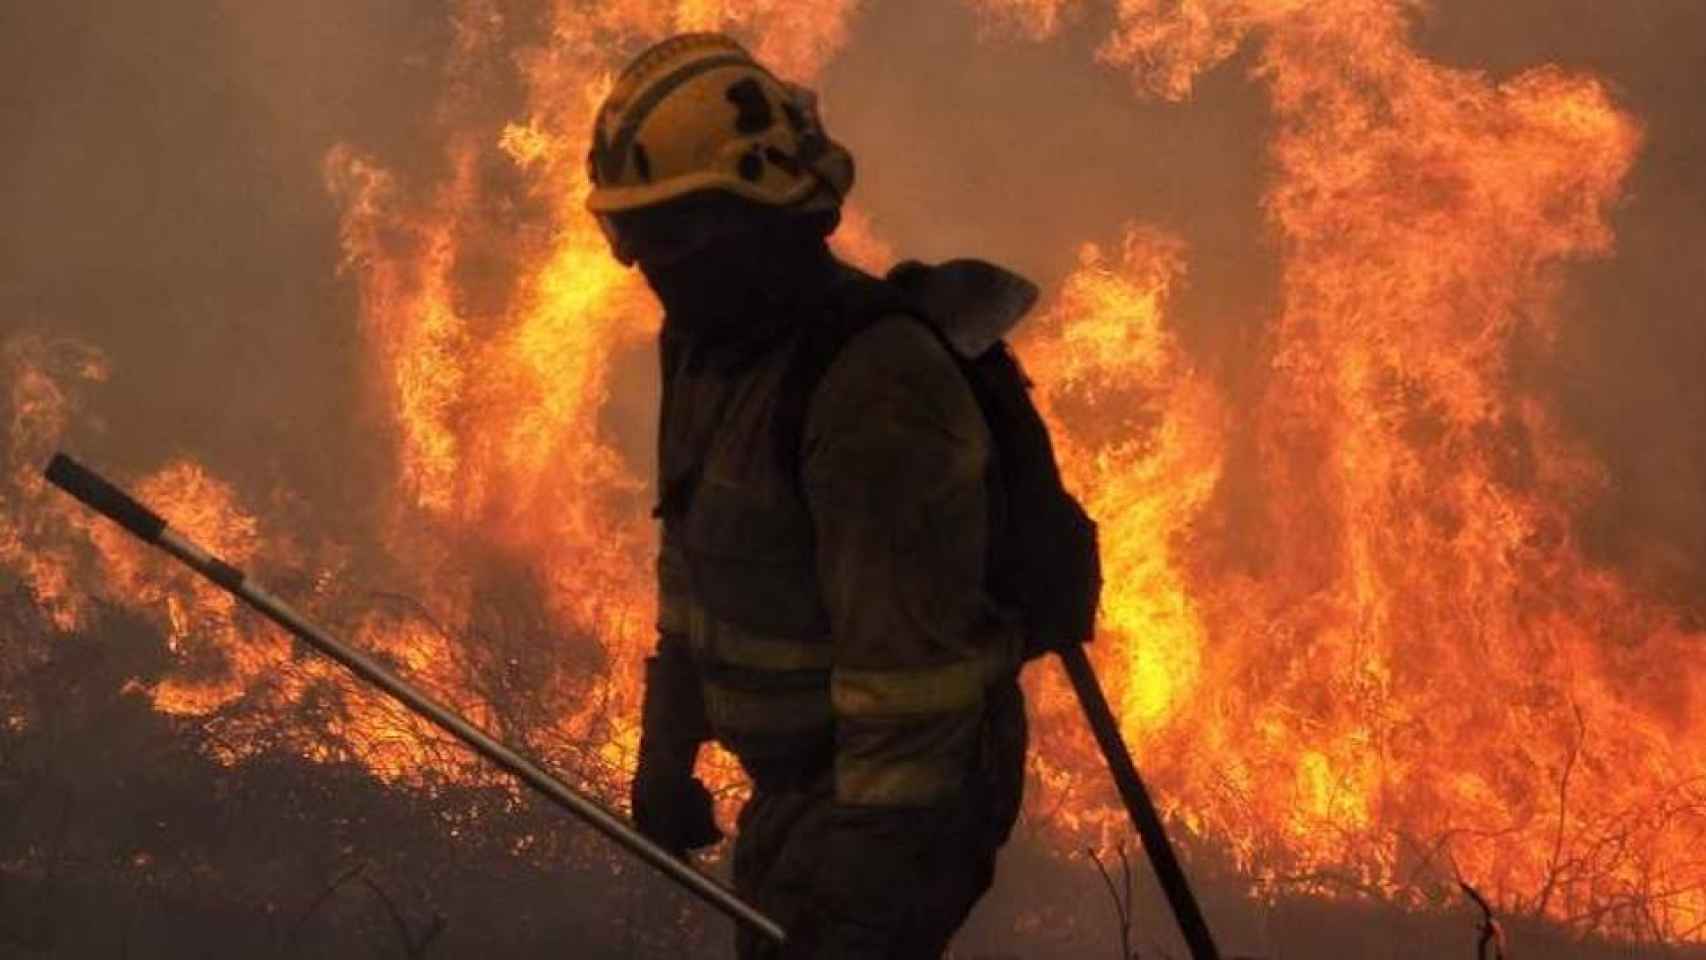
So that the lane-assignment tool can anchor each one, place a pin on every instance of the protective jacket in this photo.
(846, 647)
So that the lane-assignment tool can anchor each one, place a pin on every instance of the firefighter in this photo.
(827, 621)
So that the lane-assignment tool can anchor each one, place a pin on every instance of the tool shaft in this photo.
(109, 500)
(1138, 805)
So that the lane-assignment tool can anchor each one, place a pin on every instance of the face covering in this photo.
(742, 286)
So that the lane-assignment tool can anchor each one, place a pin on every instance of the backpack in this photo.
(1042, 556)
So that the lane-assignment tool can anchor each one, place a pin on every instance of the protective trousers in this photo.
(786, 829)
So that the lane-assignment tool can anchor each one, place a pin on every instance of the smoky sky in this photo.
(164, 203)
(1629, 373)
(161, 188)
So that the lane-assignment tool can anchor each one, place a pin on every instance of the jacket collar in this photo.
(972, 302)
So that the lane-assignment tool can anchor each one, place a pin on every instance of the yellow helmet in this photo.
(696, 112)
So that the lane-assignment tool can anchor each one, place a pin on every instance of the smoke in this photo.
(1629, 366)
(164, 203)
(973, 143)
(1021, 151)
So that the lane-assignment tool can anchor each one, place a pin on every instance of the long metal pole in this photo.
(109, 500)
(1138, 805)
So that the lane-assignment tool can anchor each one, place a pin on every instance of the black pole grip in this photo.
(101, 496)
(1135, 795)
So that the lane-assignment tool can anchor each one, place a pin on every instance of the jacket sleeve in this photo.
(673, 722)
(893, 461)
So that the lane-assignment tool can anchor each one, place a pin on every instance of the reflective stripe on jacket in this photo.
(843, 610)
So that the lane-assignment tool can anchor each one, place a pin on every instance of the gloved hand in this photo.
(670, 805)
(674, 810)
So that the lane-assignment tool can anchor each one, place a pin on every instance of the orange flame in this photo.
(1405, 667)
(504, 408)
(1348, 626)
(34, 528)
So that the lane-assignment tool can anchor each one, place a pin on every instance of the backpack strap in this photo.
(675, 492)
(856, 304)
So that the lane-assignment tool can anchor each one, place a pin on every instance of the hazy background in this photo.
(161, 198)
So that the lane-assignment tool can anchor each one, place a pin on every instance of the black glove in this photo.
(670, 806)
(674, 810)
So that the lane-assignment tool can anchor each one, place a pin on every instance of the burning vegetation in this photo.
(1352, 627)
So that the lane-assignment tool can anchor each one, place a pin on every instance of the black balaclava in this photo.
(748, 286)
